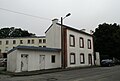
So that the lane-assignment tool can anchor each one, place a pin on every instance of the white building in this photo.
(29, 58)
(77, 51)
(7, 44)
(78, 45)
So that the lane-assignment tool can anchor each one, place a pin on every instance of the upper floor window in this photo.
(14, 41)
(21, 41)
(72, 58)
(0, 42)
(7, 42)
(32, 41)
(89, 44)
(28, 41)
(82, 58)
(40, 40)
(44, 40)
(81, 42)
(72, 40)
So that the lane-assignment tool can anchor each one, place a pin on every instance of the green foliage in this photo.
(14, 32)
(107, 40)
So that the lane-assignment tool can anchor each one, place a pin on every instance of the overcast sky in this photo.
(85, 14)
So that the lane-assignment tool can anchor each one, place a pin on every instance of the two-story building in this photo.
(77, 45)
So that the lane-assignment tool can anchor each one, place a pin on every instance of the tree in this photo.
(14, 32)
(107, 40)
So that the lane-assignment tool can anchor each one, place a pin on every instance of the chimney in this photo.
(83, 30)
(54, 21)
(91, 32)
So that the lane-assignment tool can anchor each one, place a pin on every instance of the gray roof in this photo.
(35, 49)
(71, 28)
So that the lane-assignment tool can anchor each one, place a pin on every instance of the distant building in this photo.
(7, 44)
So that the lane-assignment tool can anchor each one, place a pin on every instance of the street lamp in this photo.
(62, 41)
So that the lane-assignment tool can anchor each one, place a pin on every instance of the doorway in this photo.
(42, 62)
(89, 59)
(24, 62)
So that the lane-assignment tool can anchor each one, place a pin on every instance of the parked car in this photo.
(117, 62)
(107, 62)
(3, 62)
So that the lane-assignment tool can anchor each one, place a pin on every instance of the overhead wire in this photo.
(24, 14)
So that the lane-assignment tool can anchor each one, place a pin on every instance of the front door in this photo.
(42, 62)
(90, 59)
(24, 62)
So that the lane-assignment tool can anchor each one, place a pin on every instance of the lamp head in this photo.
(68, 14)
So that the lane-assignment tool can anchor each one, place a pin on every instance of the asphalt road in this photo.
(89, 74)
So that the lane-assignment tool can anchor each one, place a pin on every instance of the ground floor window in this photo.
(53, 59)
(72, 58)
(82, 58)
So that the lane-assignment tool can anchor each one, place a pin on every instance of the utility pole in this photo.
(62, 42)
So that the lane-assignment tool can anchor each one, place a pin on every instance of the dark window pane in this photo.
(53, 58)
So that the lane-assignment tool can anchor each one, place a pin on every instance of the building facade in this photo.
(7, 44)
(77, 45)
(71, 48)
(31, 58)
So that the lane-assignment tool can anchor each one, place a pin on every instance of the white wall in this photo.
(33, 60)
(77, 50)
(12, 61)
(53, 36)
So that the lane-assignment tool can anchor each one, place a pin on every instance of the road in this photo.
(89, 74)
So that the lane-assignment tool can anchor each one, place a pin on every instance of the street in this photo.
(87, 74)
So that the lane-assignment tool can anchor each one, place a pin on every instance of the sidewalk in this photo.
(29, 73)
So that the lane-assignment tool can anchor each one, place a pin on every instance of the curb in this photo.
(38, 72)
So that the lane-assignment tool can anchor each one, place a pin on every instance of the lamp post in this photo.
(62, 41)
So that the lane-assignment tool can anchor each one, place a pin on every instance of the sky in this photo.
(36, 15)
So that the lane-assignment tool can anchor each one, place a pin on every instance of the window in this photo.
(0, 42)
(44, 41)
(82, 61)
(40, 46)
(13, 47)
(44, 46)
(28, 41)
(72, 58)
(6, 48)
(7, 42)
(53, 58)
(14, 42)
(81, 42)
(32, 41)
(40, 40)
(21, 41)
(72, 41)
(89, 44)
(24, 55)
